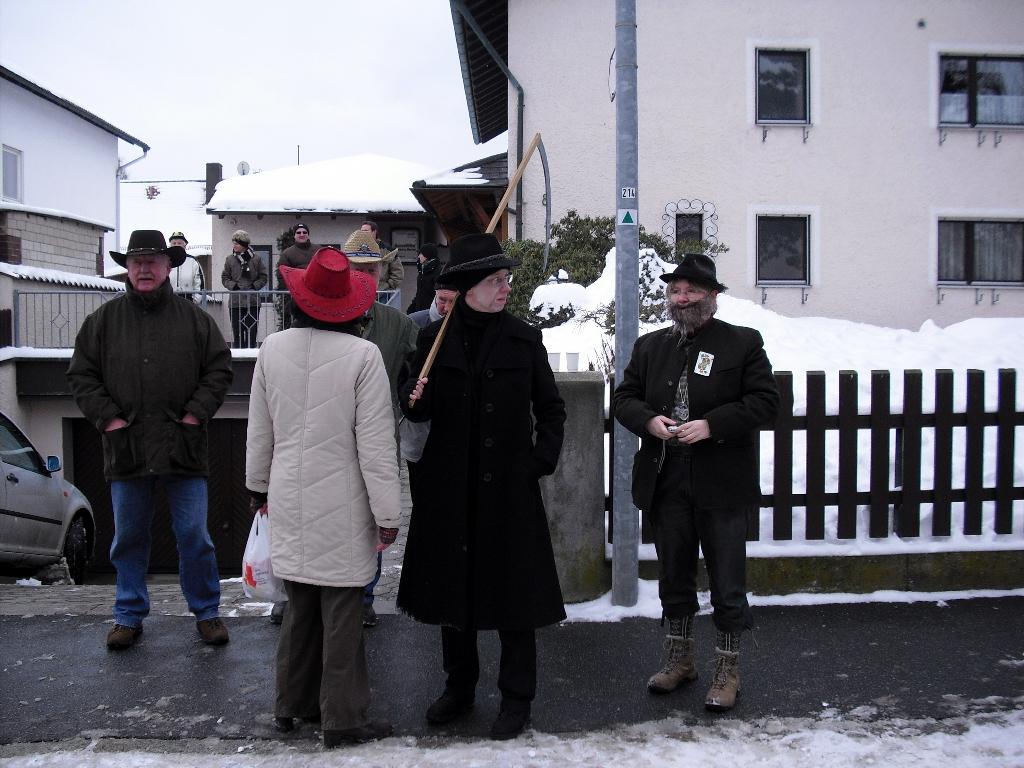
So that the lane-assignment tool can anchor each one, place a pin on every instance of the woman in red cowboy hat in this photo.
(320, 409)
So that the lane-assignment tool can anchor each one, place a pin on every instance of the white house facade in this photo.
(60, 162)
(861, 159)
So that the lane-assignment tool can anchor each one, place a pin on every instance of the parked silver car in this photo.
(43, 517)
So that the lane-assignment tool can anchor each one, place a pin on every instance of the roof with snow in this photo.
(364, 183)
(488, 172)
(50, 96)
(59, 277)
(7, 205)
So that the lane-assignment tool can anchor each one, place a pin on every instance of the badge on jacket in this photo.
(704, 361)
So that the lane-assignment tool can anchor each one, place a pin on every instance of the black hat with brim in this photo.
(150, 242)
(697, 268)
(478, 253)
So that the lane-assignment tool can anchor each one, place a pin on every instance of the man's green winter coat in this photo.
(150, 359)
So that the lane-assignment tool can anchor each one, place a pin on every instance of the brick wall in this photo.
(50, 242)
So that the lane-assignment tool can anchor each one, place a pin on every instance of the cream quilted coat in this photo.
(321, 443)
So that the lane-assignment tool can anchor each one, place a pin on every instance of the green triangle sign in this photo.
(627, 219)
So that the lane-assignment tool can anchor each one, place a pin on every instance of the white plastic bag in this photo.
(258, 579)
(412, 438)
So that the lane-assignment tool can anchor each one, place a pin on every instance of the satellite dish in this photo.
(243, 168)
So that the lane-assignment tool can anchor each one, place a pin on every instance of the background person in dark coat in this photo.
(479, 554)
(427, 269)
(697, 393)
(244, 273)
(297, 255)
(149, 371)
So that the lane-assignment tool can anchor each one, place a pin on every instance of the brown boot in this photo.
(725, 686)
(679, 668)
(121, 637)
(212, 631)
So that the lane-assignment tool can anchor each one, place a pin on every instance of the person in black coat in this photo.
(479, 552)
(428, 268)
(697, 393)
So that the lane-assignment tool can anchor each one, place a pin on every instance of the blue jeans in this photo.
(368, 589)
(129, 552)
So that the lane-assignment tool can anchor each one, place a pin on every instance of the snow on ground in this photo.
(978, 741)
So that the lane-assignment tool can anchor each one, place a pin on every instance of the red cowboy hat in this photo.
(328, 289)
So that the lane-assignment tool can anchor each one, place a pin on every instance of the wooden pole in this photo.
(502, 204)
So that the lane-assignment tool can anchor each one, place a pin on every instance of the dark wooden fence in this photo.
(891, 486)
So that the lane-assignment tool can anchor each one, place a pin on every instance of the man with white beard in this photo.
(697, 394)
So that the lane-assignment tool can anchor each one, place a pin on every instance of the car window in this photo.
(16, 450)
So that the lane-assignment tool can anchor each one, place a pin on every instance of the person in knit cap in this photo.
(296, 256)
(244, 273)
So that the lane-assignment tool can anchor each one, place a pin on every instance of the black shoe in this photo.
(511, 719)
(370, 731)
(284, 724)
(449, 706)
(369, 616)
(277, 612)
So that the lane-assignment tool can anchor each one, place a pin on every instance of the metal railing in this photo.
(52, 319)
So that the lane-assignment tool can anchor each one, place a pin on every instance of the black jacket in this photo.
(424, 285)
(737, 397)
(150, 359)
(479, 551)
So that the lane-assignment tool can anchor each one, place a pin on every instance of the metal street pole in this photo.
(625, 548)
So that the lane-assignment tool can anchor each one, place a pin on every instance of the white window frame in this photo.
(814, 224)
(20, 181)
(935, 53)
(812, 47)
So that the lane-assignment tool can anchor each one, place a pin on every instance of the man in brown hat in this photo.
(149, 371)
(697, 393)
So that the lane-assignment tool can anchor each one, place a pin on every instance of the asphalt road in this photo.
(862, 661)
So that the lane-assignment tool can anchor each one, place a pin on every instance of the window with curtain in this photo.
(981, 251)
(982, 90)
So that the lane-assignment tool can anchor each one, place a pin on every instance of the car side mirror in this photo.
(53, 464)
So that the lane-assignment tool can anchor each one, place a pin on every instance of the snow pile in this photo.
(981, 740)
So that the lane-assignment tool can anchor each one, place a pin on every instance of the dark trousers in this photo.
(244, 324)
(321, 661)
(517, 671)
(681, 526)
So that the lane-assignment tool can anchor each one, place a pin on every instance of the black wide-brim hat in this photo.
(146, 242)
(697, 268)
(478, 253)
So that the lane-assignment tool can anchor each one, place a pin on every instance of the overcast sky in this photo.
(225, 80)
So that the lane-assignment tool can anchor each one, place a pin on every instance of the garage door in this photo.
(229, 517)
